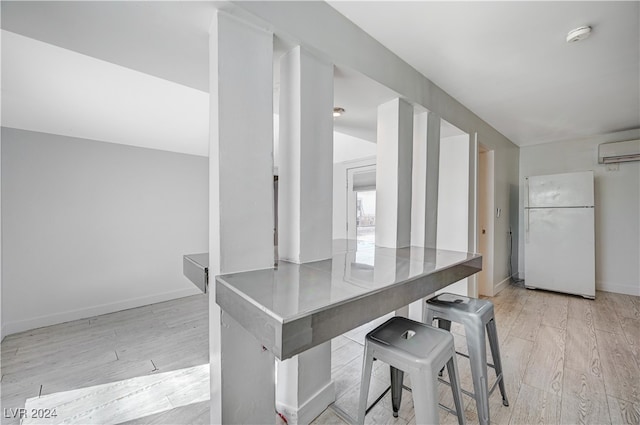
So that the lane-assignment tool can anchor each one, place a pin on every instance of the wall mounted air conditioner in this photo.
(609, 153)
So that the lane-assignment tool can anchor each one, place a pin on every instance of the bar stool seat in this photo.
(419, 350)
(476, 315)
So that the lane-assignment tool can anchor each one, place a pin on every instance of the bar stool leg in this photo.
(364, 383)
(478, 358)
(492, 332)
(452, 369)
(397, 376)
(427, 316)
(425, 397)
(444, 324)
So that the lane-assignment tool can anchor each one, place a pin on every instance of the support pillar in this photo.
(305, 184)
(472, 281)
(241, 209)
(433, 173)
(394, 174)
(426, 168)
(305, 214)
(394, 159)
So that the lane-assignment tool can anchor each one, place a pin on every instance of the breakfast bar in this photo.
(284, 311)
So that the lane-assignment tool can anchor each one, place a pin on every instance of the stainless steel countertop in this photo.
(201, 260)
(297, 306)
(196, 268)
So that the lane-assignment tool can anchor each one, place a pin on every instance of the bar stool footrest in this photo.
(470, 394)
(448, 409)
(467, 356)
(377, 400)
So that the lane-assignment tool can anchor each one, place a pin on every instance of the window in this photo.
(366, 216)
(361, 204)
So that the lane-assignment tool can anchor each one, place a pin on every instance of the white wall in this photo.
(617, 209)
(349, 148)
(340, 193)
(453, 200)
(1, 317)
(453, 189)
(345, 147)
(91, 227)
(1, 286)
(348, 152)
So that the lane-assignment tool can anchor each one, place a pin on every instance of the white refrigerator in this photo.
(559, 252)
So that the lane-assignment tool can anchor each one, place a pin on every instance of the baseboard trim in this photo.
(500, 286)
(311, 408)
(618, 288)
(10, 328)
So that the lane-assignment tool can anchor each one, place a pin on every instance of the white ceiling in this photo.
(54, 90)
(509, 63)
(119, 65)
(169, 40)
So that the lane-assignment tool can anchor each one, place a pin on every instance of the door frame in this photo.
(486, 218)
(351, 197)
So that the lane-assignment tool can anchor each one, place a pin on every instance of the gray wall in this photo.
(90, 227)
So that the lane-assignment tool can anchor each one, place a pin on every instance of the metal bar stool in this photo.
(419, 350)
(476, 315)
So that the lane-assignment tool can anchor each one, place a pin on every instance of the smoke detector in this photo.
(578, 34)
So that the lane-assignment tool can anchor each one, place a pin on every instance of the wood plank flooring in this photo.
(567, 360)
(144, 365)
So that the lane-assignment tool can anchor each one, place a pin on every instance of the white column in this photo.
(305, 185)
(393, 174)
(305, 213)
(433, 173)
(1, 319)
(241, 209)
(426, 165)
(424, 206)
(419, 183)
(472, 282)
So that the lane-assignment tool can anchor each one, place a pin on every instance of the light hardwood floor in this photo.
(566, 360)
(113, 368)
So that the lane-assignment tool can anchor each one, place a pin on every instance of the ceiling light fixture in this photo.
(337, 112)
(578, 34)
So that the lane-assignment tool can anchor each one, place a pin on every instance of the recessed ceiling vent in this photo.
(628, 150)
(578, 34)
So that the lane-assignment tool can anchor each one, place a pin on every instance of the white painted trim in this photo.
(311, 408)
(500, 286)
(83, 313)
(618, 288)
(354, 163)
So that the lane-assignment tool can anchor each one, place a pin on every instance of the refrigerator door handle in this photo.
(526, 225)
(526, 209)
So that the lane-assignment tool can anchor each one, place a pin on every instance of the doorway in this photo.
(361, 204)
(366, 216)
(485, 225)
